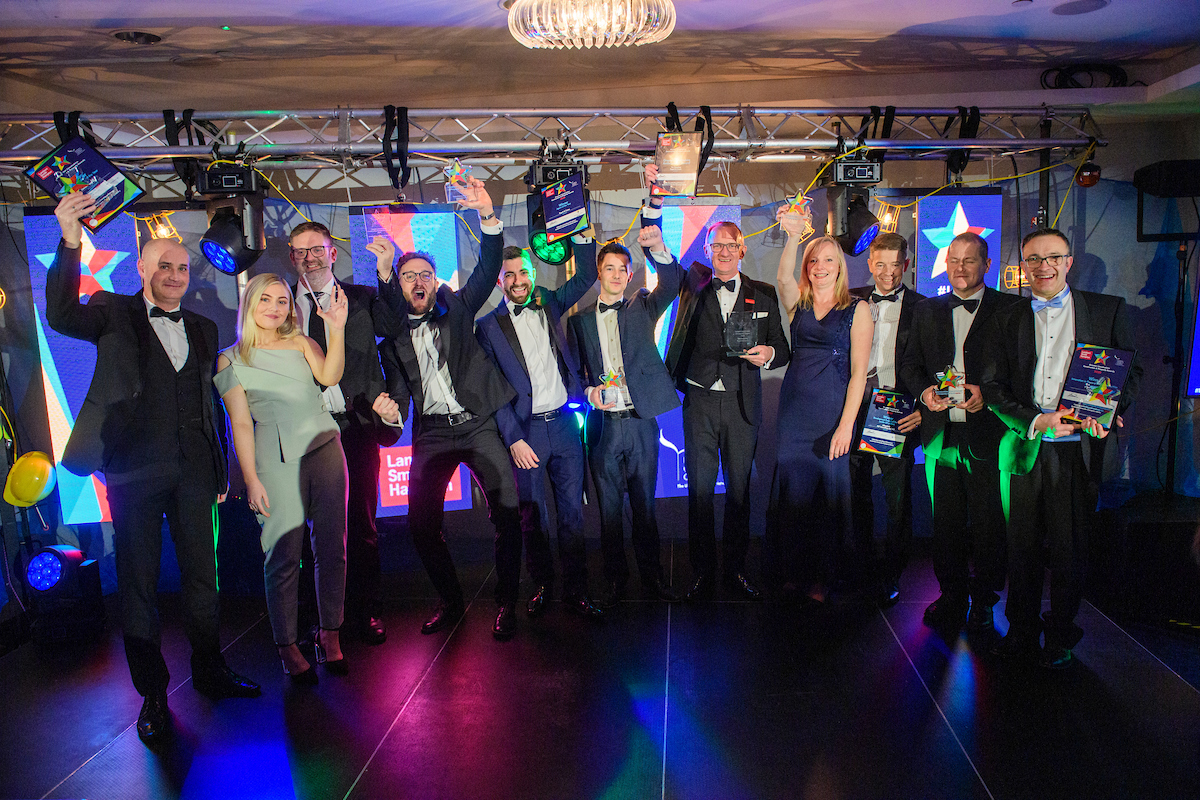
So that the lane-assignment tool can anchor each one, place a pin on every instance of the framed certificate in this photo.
(1095, 380)
(565, 206)
(677, 156)
(76, 166)
(881, 429)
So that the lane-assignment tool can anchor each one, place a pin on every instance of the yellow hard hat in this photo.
(30, 480)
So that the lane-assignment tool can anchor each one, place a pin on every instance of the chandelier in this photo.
(590, 23)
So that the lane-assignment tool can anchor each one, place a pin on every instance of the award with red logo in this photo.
(76, 166)
(881, 429)
(1094, 382)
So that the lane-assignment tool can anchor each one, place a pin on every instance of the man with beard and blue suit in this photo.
(524, 337)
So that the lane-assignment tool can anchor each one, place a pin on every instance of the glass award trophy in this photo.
(741, 333)
(952, 385)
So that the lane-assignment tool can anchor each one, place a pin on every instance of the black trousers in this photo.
(968, 522)
(882, 566)
(1049, 510)
(186, 494)
(362, 539)
(559, 449)
(624, 457)
(438, 449)
(715, 432)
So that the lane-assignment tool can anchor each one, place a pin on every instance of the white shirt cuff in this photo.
(663, 258)
(650, 212)
(493, 227)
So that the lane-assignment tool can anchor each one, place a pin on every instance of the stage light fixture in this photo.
(52, 568)
(235, 237)
(553, 253)
(861, 229)
(65, 595)
(1088, 175)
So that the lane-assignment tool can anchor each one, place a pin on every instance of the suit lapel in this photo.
(1083, 320)
(908, 302)
(590, 323)
(505, 321)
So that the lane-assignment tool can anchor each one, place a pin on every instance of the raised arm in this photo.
(792, 222)
(478, 287)
(586, 273)
(327, 368)
(64, 312)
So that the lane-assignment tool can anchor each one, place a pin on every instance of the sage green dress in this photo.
(298, 457)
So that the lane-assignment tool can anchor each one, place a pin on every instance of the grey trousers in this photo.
(311, 489)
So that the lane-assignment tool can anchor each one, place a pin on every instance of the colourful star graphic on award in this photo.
(1101, 359)
(891, 401)
(456, 173)
(941, 237)
(950, 380)
(1102, 392)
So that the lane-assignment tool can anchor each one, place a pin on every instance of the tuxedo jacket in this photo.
(498, 337)
(697, 339)
(111, 421)
(478, 383)
(650, 386)
(908, 305)
(362, 378)
(930, 348)
(1100, 319)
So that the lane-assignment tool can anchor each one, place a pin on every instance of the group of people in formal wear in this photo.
(323, 373)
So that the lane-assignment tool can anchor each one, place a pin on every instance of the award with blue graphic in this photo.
(881, 429)
(76, 166)
(565, 205)
(1094, 382)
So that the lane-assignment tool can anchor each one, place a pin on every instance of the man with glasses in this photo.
(960, 439)
(722, 403)
(1051, 468)
(313, 255)
(432, 357)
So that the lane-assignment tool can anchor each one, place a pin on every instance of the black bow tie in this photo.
(414, 322)
(613, 307)
(730, 285)
(516, 310)
(969, 305)
(174, 316)
(884, 298)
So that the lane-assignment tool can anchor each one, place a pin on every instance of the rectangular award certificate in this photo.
(1095, 379)
(881, 430)
(76, 166)
(677, 156)
(565, 206)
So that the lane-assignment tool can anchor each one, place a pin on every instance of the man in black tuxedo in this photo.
(892, 306)
(627, 386)
(960, 440)
(524, 337)
(1051, 467)
(349, 401)
(432, 357)
(722, 403)
(150, 423)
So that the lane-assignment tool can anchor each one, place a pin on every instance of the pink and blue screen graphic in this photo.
(108, 262)
(942, 217)
(684, 231)
(431, 229)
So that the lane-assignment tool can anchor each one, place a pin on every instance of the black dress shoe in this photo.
(369, 630)
(740, 585)
(154, 721)
(946, 612)
(506, 622)
(1017, 648)
(1054, 657)
(660, 591)
(537, 603)
(445, 616)
(582, 606)
(889, 595)
(614, 595)
(702, 590)
(979, 620)
(220, 681)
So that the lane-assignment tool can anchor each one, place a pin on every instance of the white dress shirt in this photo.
(436, 383)
(533, 334)
(963, 320)
(883, 345)
(1054, 337)
(606, 354)
(332, 397)
(173, 335)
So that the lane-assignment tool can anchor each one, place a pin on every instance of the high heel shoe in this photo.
(307, 677)
(335, 666)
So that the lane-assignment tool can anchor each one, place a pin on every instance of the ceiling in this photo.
(305, 54)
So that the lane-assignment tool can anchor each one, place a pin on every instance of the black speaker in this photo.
(1169, 179)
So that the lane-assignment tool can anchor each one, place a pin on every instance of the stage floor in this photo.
(729, 699)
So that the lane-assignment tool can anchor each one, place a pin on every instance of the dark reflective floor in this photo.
(729, 699)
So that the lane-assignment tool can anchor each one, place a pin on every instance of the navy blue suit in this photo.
(623, 447)
(553, 435)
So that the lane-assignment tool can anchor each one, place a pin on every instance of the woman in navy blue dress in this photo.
(818, 406)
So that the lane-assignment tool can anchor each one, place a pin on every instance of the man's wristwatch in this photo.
(491, 215)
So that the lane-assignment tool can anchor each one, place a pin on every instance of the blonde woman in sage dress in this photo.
(291, 458)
